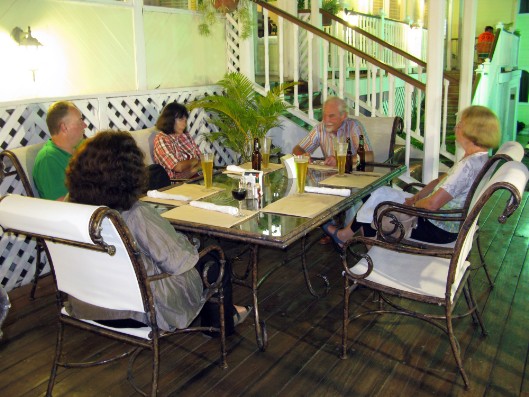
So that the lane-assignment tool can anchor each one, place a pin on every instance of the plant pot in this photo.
(226, 5)
(326, 21)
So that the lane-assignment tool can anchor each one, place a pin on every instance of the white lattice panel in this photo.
(25, 124)
(232, 42)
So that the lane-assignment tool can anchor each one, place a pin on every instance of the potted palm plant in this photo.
(241, 114)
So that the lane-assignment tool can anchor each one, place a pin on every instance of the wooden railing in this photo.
(376, 89)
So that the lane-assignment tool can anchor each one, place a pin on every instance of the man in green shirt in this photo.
(66, 125)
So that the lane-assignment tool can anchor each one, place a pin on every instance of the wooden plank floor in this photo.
(388, 356)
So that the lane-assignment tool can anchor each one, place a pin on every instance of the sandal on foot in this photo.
(239, 318)
(338, 244)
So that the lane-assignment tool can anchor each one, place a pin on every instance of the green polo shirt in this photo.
(49, 172)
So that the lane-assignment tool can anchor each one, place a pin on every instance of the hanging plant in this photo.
(211, 9)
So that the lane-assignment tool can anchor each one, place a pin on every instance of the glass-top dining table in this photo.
(277, 219)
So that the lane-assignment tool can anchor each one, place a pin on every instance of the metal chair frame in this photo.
(510, 151)
(107, 222)
(511, 177)
(21, 170)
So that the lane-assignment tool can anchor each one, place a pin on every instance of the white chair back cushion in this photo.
(145, 141)
(512, 172)
(512, 149)
(47, 217)
(379, 130)
(94, 277)
(26, 157)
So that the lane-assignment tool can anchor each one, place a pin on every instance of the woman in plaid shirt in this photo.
(174, 149)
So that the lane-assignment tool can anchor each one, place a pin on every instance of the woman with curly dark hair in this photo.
(174, 149)
(108, 170)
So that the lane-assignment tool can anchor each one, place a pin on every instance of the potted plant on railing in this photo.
(241, 114)
(210, 10)
(332, 7)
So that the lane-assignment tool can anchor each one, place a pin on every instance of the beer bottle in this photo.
(256, 155)
(349, 158)
(361, 154)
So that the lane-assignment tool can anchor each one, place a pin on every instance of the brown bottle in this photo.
(256, 155)
(349, 158)
(361, 154)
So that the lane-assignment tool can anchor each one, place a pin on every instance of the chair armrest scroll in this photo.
(222, 260)
(391, 210)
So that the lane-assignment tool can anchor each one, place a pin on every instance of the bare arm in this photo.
(435, 201)
(187, 165)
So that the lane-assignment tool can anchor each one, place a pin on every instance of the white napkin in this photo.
(328, 190)
(167, 196)
(384, 193)
(235, 168)
(226, 209)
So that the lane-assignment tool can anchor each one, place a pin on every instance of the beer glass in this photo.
(206, 160)
(341, 152)
(266, 144)
(302, 164)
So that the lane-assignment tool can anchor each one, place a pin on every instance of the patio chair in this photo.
(509, 151)
(145, 141)
(382, 133)
(19, 162)
(83, 243)
(436, 276)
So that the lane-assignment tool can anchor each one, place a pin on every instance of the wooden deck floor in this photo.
(389, 356)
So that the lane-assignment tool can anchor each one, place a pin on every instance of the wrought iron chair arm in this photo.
(389, 209)
(413, 185)
(222, 259)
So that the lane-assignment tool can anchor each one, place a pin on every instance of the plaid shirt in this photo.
(169, 150)
(350, 128)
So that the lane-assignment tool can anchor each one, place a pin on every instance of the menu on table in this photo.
(306, 205)
(354, 180)
(189, 213)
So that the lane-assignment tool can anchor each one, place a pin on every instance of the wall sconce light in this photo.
(29, 46)
(24, 38)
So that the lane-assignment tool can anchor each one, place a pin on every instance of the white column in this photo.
(448, 51)
(139, 46)
(290, 7)
(468, 12)
(434, 90)
(246, 51)
(317, 48)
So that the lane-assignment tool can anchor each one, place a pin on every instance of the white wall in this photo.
(89, 48)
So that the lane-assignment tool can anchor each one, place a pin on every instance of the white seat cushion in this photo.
(143, 332)
(422, 275)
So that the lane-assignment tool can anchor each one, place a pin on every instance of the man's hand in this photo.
(331, 161)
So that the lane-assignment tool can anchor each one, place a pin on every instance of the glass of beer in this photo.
(206, 160)
(302, 164)
(266, 144)
(341, 152)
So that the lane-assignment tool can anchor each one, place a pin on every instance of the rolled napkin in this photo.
(235, 168)
(226, 209)
(328, 190)
(167, 196)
